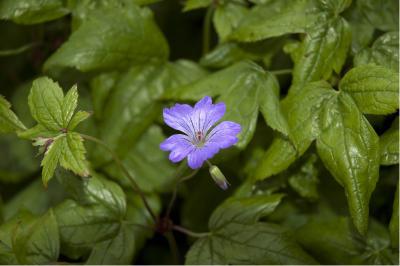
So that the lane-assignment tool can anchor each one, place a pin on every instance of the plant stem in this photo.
(281, 71)
(207, 29)
(188, 232)
(181, 180)
(18, 50)
(126, 172)
(173, 246)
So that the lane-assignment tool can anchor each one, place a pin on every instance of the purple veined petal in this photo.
(199, 155)
(206, 114)
(224, 135)
(179, 145)
(177, 117)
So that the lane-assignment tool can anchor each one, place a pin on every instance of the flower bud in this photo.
(218, 177)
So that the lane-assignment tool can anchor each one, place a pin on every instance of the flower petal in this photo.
(177, 117)
(206, 114)
(197, 157)
(224, 135)
(179, 146)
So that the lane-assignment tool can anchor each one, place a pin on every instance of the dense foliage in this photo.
(313, 177)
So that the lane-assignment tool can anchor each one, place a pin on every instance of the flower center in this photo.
(199, 139)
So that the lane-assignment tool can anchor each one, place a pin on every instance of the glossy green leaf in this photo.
(284, 17)
(135, 96)
(323, 50)
(374, 88)
(349, 148)
(389, 145)
(32, 11)
(394, 221)
(227, 17)
(147, 164)
(381, 14)
(9, 122)
(239, 239)
(245, 88)
(112, 38)
(335, 6)
(384, 52)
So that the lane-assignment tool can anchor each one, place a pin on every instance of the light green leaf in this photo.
(129, 35)
(73, 154)
(323, 50)
(51, 159)
(45, 102)
(195, 4)
(349, 148)
(69, 104)
(77, 119)
(244, 88)
(9, 122)
(36, 240)
(394, 221)
(32, 11)
(384, 52)
(389, 144)
(227, 17)
(276, 18)
(374, 88)
(132, 104)
(145, 162)
(243, 210)
(382, 14)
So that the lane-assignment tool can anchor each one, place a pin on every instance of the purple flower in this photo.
(200, 140)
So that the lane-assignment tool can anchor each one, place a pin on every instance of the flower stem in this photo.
(181, 180)
(281, 71)
(188, 232)
(173, 246)
(126, 172)
(206, 29)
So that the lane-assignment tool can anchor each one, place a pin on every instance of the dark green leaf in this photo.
(384, 52)
(374, 88)
(349, 148)
(323, 50)
(9, 122)
(389, 144)
(112, 38)
(32, 11)
(382, 14)
(284, 17)
(261, 92)
(305, 181)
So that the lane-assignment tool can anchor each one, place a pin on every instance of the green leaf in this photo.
(237, 238)
(78, 117)
(394, 221)
(132, 104)
(73, 154)
(145, 162)
(305, 181)
(32, 11)
(279, 156)
(335, 6)
(349, 148)
(382, 14)
(9, 122)
(68, 105)
(101, 86)
(261, 92)
(228, 53)
(36, 241)
(284, 17)
(227, 17)
(129, 35)
(384, 52)
(195, 4)
(51, 159)
(373, 88)
(243, 210)
(323, 50)
(389, 144)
